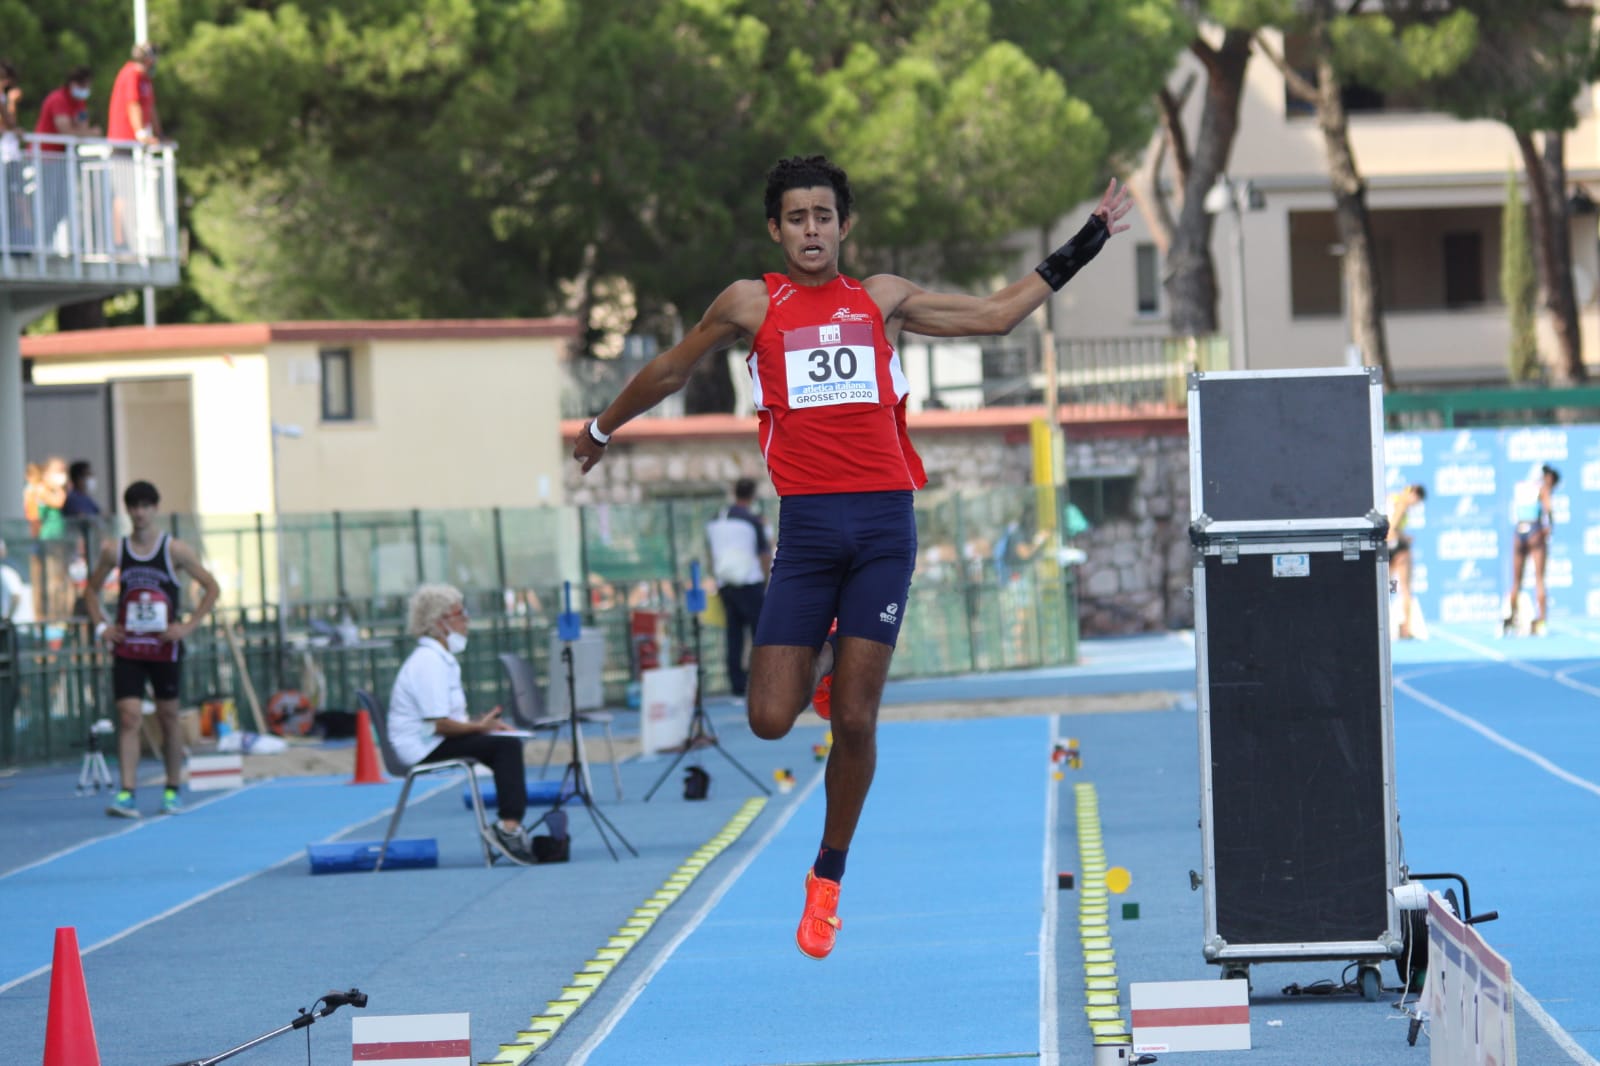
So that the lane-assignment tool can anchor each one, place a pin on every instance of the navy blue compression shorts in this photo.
(846, 555)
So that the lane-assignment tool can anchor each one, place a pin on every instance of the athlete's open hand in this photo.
(1116, 202)
(113, 634)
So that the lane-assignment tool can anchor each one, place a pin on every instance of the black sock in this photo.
(830, 863)
(174, 788)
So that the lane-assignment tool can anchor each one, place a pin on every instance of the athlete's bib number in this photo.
(832, 364)
(146, 615)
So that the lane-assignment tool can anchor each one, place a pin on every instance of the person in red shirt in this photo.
(133, 115)
(830, 394)
(65, 112)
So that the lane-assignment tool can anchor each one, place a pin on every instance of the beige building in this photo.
(1436, 186)
(303, 417)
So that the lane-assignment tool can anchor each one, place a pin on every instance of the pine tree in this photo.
(1519, 287)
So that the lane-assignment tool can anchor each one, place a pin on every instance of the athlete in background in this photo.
(1400, 505)
(830, 397)
(146, 638)
(1533, 512)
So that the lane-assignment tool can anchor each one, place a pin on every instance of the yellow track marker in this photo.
(542, 1028)
(1096, 884)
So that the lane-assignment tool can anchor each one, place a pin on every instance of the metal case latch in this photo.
(1229, 550)
(1350, 543)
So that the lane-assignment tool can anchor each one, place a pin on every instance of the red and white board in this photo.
(207, 773)
(411, 1040)
(1190, 1015)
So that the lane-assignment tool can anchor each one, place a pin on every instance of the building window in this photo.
(1102, 498)
(1463, 269)
(338, 385)
(1147, 278)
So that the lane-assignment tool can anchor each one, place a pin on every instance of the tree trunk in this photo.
(1560, 298)
(1362, 286)
(1191, 274)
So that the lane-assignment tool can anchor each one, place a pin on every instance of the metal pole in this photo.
(13, 441)
(416, 540)
(338, 557)
(283, 559)
(500, 552)
(1241, 359)
(141, 22)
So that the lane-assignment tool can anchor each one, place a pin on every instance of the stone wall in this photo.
(1137, 574)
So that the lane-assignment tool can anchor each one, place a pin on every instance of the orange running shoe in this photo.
(819, 925)
(822, 698)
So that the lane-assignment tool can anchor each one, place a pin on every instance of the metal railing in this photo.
(1457, 408)
(88, 209)
(965, 613)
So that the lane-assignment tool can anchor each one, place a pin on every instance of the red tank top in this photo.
(829, 392)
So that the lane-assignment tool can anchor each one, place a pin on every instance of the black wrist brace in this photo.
(1059, 266)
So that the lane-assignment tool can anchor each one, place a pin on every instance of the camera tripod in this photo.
(330, 1001)
(93, 774)
(702, 732)
(569, 629)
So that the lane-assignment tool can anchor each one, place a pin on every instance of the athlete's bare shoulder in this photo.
(888, 291)
(742, 304)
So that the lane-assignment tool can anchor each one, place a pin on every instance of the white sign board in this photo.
(666, 706)
(1471, 1021)
(588, 662)
(1190, 1015)
(411, 1040)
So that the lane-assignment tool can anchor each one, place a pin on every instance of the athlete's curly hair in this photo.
(806, 172)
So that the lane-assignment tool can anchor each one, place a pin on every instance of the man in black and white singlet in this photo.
(146, 638)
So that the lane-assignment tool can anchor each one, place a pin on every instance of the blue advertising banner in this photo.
(1478, 482)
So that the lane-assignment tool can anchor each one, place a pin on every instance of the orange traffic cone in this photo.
(367, 770)
(69, 1032)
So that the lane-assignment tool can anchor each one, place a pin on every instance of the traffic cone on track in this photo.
(368, 771)
(69, 1032)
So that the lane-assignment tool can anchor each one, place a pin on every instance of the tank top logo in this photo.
(830, 364)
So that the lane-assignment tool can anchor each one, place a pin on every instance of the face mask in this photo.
(91, 485)
(80, 92)
(455, 643)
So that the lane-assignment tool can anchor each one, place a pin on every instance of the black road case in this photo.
(1291, 587)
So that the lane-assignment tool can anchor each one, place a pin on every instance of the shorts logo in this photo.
(890, 615)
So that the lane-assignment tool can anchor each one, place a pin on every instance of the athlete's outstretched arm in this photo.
(735, 313)
(960, 315)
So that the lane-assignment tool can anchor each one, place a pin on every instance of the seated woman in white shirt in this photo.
(428, 713)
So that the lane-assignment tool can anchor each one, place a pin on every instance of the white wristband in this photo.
(595, 434)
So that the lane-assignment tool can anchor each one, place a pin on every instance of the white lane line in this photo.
(1563, 1040)
(1525, 1000)
(1049, 1026)
(1493, 653)
(129, 828)
(614, 1018)
(202, 897)
(1495, 738)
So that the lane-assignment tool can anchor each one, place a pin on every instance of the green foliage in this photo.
(1530, 61)
(1519, 285)
(43, 39)
(1112, 56)
(1380, 51)
(378, 158)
